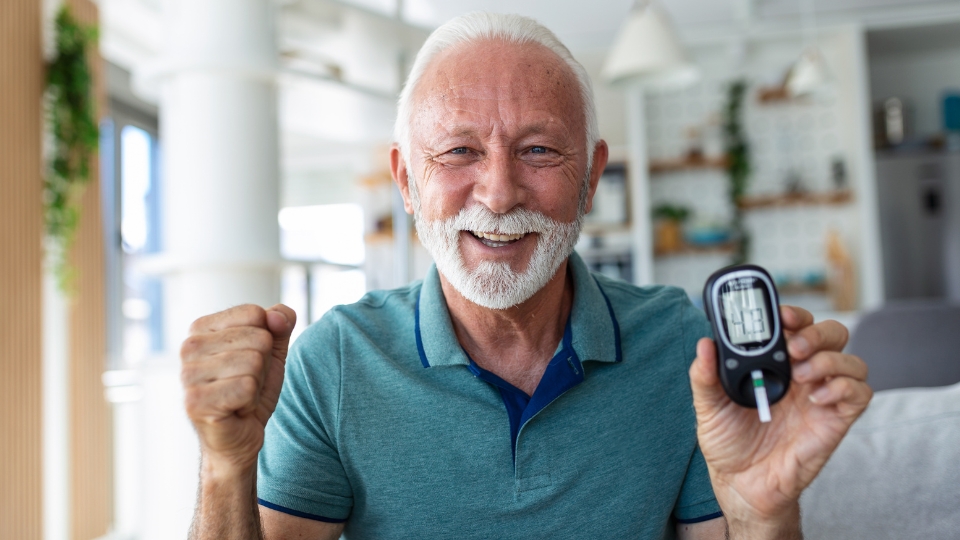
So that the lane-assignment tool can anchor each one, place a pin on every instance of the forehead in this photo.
(499, 82)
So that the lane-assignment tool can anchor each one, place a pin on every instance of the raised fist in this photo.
(232, 371)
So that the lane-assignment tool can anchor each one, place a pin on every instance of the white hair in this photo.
(479, 26)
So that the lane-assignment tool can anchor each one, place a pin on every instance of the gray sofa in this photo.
(896, 475)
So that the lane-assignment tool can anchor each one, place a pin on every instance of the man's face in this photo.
(498, 157)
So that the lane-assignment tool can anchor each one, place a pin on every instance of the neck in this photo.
(515, 343)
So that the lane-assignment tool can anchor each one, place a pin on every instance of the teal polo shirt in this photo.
(386, 423)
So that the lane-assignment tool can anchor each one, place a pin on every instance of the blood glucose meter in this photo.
(743, 306)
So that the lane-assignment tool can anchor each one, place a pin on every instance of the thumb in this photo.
(280, 321)
(707, 391)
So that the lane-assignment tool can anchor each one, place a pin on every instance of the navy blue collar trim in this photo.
(613, 319)
(423, 355)
(566, 335)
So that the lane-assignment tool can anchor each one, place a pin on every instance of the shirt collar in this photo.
(596, 333)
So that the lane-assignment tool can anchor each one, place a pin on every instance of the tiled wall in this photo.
(801, 138)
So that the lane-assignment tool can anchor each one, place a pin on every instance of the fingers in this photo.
(228, 339)
(707, 391)
(795, 318)
(229, 353)
(222, 398)
(243, 315)
(224, 365)
(280, 321)
(823, 336)
(829, 364)
(843, 390)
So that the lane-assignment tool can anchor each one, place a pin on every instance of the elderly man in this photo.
(511, 394)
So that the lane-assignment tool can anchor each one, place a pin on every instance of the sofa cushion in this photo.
(895, 475)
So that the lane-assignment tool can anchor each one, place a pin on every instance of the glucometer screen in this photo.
(746, 314)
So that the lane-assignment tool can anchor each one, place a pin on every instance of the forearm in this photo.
(226, 505)
(787, 527)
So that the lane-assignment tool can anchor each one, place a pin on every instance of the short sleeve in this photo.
(696, 501)
(299, 470)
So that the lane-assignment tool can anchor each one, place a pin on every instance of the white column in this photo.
(641, 230)
(220, 237)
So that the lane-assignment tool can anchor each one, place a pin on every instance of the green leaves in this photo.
(738, 163)
(73, 126)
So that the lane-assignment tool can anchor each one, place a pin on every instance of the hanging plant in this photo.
(738, 165)
(74, 131)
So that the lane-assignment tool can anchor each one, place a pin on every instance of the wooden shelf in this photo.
(687, 164)
(690, 249)
(795, 199)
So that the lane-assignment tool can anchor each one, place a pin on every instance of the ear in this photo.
(398, 169)
(600, 155)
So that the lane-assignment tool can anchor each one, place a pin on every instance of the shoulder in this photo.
(655, 317)
(642, 303)
(377, 311)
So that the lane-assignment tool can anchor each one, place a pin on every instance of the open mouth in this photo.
(495, 240)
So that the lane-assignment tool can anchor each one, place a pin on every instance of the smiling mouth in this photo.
(496, 240)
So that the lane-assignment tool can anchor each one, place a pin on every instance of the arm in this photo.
(715, 529)
(232, 372)
(759, 470)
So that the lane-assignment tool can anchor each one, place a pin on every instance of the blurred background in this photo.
(242, 157)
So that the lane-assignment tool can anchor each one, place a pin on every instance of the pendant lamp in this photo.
(647, 51)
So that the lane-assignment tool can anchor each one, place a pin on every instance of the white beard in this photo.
(495, 285)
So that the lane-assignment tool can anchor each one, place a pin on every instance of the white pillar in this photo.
(641, 230)
(220, 237)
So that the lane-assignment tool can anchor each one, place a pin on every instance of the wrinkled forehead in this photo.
(522, 76)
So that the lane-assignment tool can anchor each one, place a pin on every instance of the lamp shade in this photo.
(648, 51)
(809, 75)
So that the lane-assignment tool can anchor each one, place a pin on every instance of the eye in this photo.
(538, 150)
(460, 150)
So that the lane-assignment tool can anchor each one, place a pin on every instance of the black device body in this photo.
(743, 306)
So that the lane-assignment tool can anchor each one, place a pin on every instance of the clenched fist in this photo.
(232, 371)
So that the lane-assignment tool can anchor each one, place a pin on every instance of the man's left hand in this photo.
(759, 469)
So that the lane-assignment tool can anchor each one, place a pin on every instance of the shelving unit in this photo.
(795, 199)
(687, 164)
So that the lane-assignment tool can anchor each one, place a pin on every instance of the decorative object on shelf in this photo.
(75, 137)
(706, 234)
(838, 173)
(891, 122)
(841, 279)
(647, 51)
(610, 206)
(695, 143)
(793, 183)
(738, 165)
(809, 282)
(668, 236)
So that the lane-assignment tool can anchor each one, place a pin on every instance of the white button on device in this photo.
(779, 356)
(732, 364)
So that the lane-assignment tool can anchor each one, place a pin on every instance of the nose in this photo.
(499, 184)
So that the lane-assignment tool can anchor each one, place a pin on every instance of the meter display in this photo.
(746, 315)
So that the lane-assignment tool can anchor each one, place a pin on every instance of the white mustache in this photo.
(518, 221)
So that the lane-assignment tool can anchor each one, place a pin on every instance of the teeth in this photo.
(497, 237)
